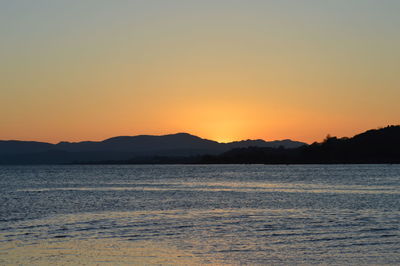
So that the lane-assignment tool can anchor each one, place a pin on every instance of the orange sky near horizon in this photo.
(221, 70)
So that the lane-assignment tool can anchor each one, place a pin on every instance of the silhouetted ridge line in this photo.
(122, 148)
(373, 146)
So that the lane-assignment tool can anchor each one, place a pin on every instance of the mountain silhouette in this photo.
(286, 143)
(373, 146)
(20, 147)
(123, 148)
(143, 144)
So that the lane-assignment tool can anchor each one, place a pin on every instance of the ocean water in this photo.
(200, 214)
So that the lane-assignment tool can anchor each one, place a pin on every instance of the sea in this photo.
(200, 214)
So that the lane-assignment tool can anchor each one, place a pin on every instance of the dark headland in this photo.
(373, 146)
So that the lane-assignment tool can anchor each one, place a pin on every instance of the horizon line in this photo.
(156, 135)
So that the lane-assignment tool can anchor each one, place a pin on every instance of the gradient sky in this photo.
(224, 70)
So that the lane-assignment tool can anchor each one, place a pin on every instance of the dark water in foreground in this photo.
(236, 214)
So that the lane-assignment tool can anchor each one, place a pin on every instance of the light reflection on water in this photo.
(94, 251)
(233, 187)
(200, 214)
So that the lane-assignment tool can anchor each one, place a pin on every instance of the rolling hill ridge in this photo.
(124, 148)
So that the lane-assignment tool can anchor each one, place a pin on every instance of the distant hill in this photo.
(373, 146)
(286, 143)
(123, 148)
(20, 147)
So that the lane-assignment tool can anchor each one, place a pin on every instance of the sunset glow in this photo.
(222, 70)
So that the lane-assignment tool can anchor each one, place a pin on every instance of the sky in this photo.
(78, 70)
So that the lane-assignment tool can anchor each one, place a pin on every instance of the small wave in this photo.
(60, 236)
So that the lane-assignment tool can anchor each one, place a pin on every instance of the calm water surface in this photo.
(219, 214)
